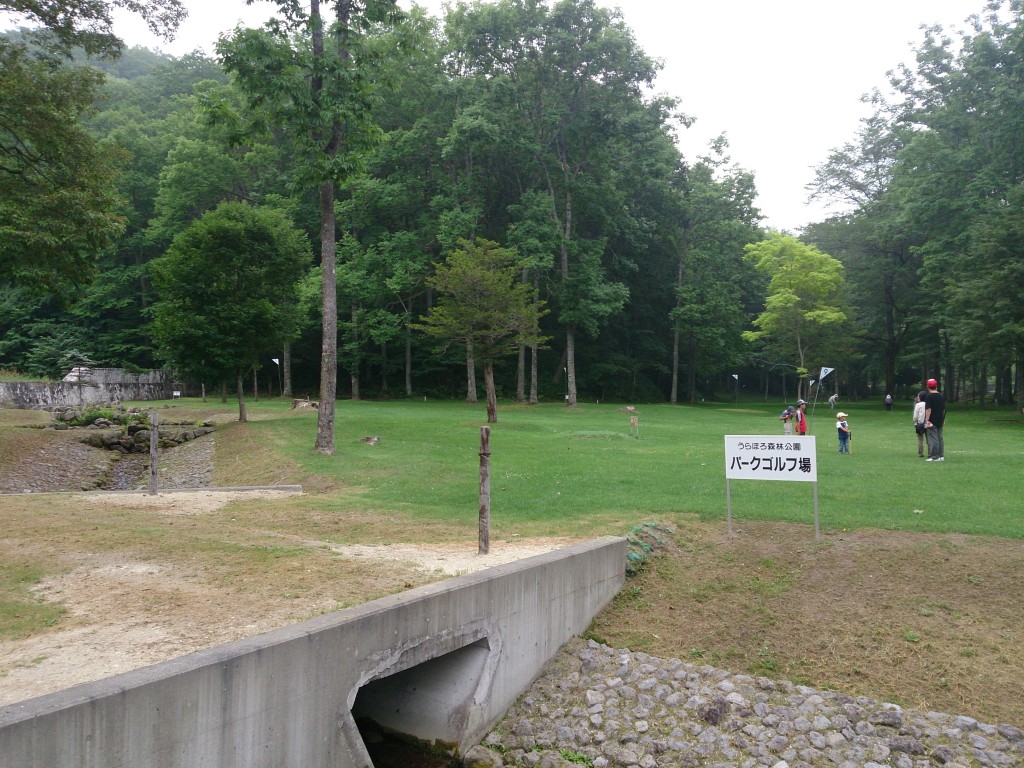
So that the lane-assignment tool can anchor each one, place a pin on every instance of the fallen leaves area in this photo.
(923, 620)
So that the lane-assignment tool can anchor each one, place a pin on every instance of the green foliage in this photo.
(9, 374)
(57, 196)
(482, 302)
(805, 294)
(228, 291)
(71, 24)
(576, 758)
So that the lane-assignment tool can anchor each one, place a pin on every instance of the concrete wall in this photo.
(99, 386)
(446, 660)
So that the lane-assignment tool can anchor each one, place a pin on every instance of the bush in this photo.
(93, 412)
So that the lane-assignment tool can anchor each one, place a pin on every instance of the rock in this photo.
(714, 711)
(481, 757)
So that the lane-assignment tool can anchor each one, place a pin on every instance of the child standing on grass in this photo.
(787, 420)
(844, 433)
(919, 427)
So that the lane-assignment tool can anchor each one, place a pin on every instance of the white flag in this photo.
(826, 371)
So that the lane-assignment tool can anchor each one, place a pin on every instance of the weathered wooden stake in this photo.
(485, 490)
(154, 449)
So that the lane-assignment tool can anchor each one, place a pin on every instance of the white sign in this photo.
(760, 457)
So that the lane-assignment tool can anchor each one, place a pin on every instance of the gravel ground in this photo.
(605, 707)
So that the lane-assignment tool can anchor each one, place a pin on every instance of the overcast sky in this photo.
(782, 79)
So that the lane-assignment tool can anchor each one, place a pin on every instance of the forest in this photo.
(369, 203)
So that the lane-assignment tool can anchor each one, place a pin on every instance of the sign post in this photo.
(760, 457)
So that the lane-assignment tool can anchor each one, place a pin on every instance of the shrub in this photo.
(93, 412)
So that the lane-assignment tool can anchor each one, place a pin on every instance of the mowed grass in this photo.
(556, 470)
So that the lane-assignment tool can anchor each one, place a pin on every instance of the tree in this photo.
(570, 78)
(718, 218)
(57, 186)
(228, 293)
(58, 207)
(877, 242)
(804, 295)
(88, 24)
(322, 97)
(482, 302)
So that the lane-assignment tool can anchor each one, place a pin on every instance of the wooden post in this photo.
(485, 490)
(154, 448)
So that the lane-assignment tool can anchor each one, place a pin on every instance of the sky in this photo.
(783, 80)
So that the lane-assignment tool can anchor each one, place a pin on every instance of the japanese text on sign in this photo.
(756, 457)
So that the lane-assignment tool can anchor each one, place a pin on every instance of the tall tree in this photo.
(877, 243)
(569, 76)
(805, 295)
(228, 294)
(58, 206)
(717, 220)
(316, 78)
(483, 302)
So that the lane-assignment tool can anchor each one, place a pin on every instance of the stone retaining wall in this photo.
(94, 386)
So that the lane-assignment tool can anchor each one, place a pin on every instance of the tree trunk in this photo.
(570, 332)
(329, 332)
(673, 397)
(331, 140)
(570, 366)
(385, 386)
(286, 364)
(534, 349)
(681, 261)
(691, 369)
(470, 375)
(521, 358)
(354, 371)
(533, 375)
(492, 397)
(521, 375)
(255, 385)
(241, 398)
(408, 352)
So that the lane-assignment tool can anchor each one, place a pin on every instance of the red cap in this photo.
(932, 384)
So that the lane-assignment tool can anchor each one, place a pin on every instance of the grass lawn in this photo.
(555, 469)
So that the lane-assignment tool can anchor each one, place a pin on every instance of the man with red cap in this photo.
(934, 418)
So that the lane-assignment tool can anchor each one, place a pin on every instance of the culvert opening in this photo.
(414, 717)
